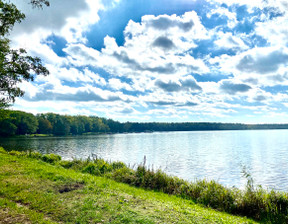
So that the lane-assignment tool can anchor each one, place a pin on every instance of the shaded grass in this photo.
(32, 190)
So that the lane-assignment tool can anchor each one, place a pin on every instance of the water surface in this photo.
(217, 155)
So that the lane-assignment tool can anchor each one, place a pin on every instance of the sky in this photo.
(164, 60)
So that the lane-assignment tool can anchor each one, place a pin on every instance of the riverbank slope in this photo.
(32, 191)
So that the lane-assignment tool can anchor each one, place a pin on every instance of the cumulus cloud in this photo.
(82, 94)
(145, 51)
(229, 41)
(230, 17)
(166, 22)
(127, 111)
(183, 84)
(273, 30)
(79, 54)
(123, 58)
(234, 88)
(265, 66)
(260, 98)
(263, 63)
(68, 18)
(53, 17)
(164, 43)
(252, 4)
(118, 85)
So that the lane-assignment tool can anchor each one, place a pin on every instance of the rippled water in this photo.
(217, 155)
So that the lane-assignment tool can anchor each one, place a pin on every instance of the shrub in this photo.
(277, 207)
(124, 175)
(16, 153)
(2, 150)
(117, 165)
(216, 196)
(160, 181)
(51, 158)
(36, 155)
(92, 168)
(76, 164)
(66, 164)
(104, 167)
(139, 176)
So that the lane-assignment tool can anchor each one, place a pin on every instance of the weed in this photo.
(2, 150)
(66, 164)
(51, 158)
(16, 153)
(92, 168)
(36, 155)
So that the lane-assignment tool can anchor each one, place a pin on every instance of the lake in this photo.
(217, 155)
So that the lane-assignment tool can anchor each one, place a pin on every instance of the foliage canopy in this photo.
(15, 64)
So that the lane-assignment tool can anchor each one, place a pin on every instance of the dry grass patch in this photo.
(7, 217)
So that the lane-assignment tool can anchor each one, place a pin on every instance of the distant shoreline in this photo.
(134, 132)
(19, 123)
(143, 132)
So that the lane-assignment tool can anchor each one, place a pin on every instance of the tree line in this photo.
(22, 123)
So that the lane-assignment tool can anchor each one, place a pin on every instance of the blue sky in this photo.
(165, 60)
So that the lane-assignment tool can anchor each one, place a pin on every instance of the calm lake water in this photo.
(217, 155)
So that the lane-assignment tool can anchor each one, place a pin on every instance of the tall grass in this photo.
(254, 202)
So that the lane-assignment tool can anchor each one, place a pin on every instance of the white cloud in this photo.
(249, 3)
(232, 19)
(274, 31)
(117, 85)
(148, 49)
(229, 41)
(172, 84)
(264, 66)
(95, 77)
(67, 18)
(35, 47)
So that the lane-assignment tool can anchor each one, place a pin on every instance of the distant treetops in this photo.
(22, 123)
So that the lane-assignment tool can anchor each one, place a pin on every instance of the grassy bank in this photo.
(34, 191)
(253, 202)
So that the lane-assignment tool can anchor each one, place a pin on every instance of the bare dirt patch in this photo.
(70, 187)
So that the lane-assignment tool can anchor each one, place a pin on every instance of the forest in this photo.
(22, 123)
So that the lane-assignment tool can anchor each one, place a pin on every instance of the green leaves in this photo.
(15, 65)
(39, 3)
(8, 17)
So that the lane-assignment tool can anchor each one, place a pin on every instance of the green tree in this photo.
(26, 123)
(98, 125)
(44, 126)
(15, 64)
(61, 125)
(7, 127)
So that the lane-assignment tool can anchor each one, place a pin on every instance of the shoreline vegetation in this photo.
(19, 123)
(252, 202)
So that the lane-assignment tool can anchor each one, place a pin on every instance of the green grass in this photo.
(33, 191)
(253, 202)
(40, 135)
